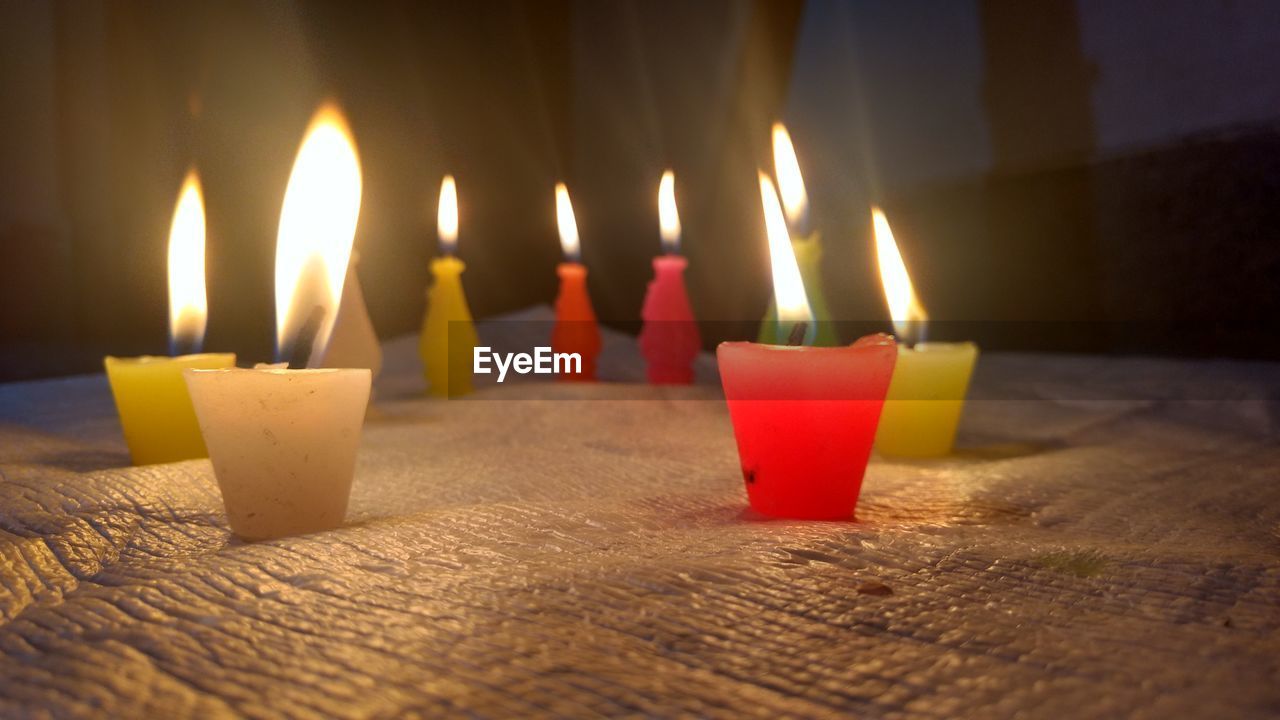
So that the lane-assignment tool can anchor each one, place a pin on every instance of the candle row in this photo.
(832, 401)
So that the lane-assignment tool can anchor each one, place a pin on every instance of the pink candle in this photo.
(670, 339)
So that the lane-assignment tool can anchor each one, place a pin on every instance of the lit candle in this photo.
(283, 442)
(575, 330)
(151, 398)
(804, 417)
(806, 242)
(930, 380)
(669, 339)
(349, 337)
(448, 334)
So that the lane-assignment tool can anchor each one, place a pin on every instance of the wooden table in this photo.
(1108, 544)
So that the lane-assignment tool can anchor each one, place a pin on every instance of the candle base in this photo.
(154, 407)
(804, 419)
(925, 400)
(283, 444)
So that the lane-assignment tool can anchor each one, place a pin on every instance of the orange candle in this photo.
(575, 330)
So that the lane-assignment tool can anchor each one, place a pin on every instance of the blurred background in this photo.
(1104, 170)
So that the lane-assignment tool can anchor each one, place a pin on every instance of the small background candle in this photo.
(283, 442)
(804, 417)
(353, 342)
(448, 334)
(575, 330)
(806, 243)
(930, 380)
(669, 339)
(151, 398)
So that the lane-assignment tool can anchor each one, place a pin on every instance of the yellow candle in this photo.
(154, 407)
(151, 395)
(926, 396)
(448, 335)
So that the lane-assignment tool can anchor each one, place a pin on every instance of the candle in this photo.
(575, 330)
(930, 380)
(353, 342)
(283, 442)
(806, 242)
(151, 398)
(804, 417)
(448, 335)
(669, 339)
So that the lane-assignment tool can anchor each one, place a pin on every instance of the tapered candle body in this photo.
(154, 407)
(808, 252)
(282, 443)
(353, 344)
(804, 419)
(669, 339)
(925, 399)
(448, 333)
(575, 330)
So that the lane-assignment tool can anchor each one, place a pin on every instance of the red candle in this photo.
(575, 330)
(670, 339)
(804, 417)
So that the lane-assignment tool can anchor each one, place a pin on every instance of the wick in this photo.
(797, 333)
(300, 354)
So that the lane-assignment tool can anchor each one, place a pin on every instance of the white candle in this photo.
(283, 444)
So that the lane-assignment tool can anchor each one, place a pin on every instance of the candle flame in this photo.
(668, 214)
(904, 307)
(317, 230)
(447, 216)
(567, 223)
(188, 301)
(788, 287)
(795, 201)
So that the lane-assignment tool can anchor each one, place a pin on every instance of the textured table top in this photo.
(1107, 543)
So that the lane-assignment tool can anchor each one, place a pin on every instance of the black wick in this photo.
(797, 333)
(303, 345)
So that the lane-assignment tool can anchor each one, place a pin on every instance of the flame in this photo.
(317, 230)
(790, 182)
(904, 306)
(568, 224)
(447, 215)
(788, 287)
(188, 302)
(668, 214)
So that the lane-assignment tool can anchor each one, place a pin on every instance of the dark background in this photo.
(1064, 174)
